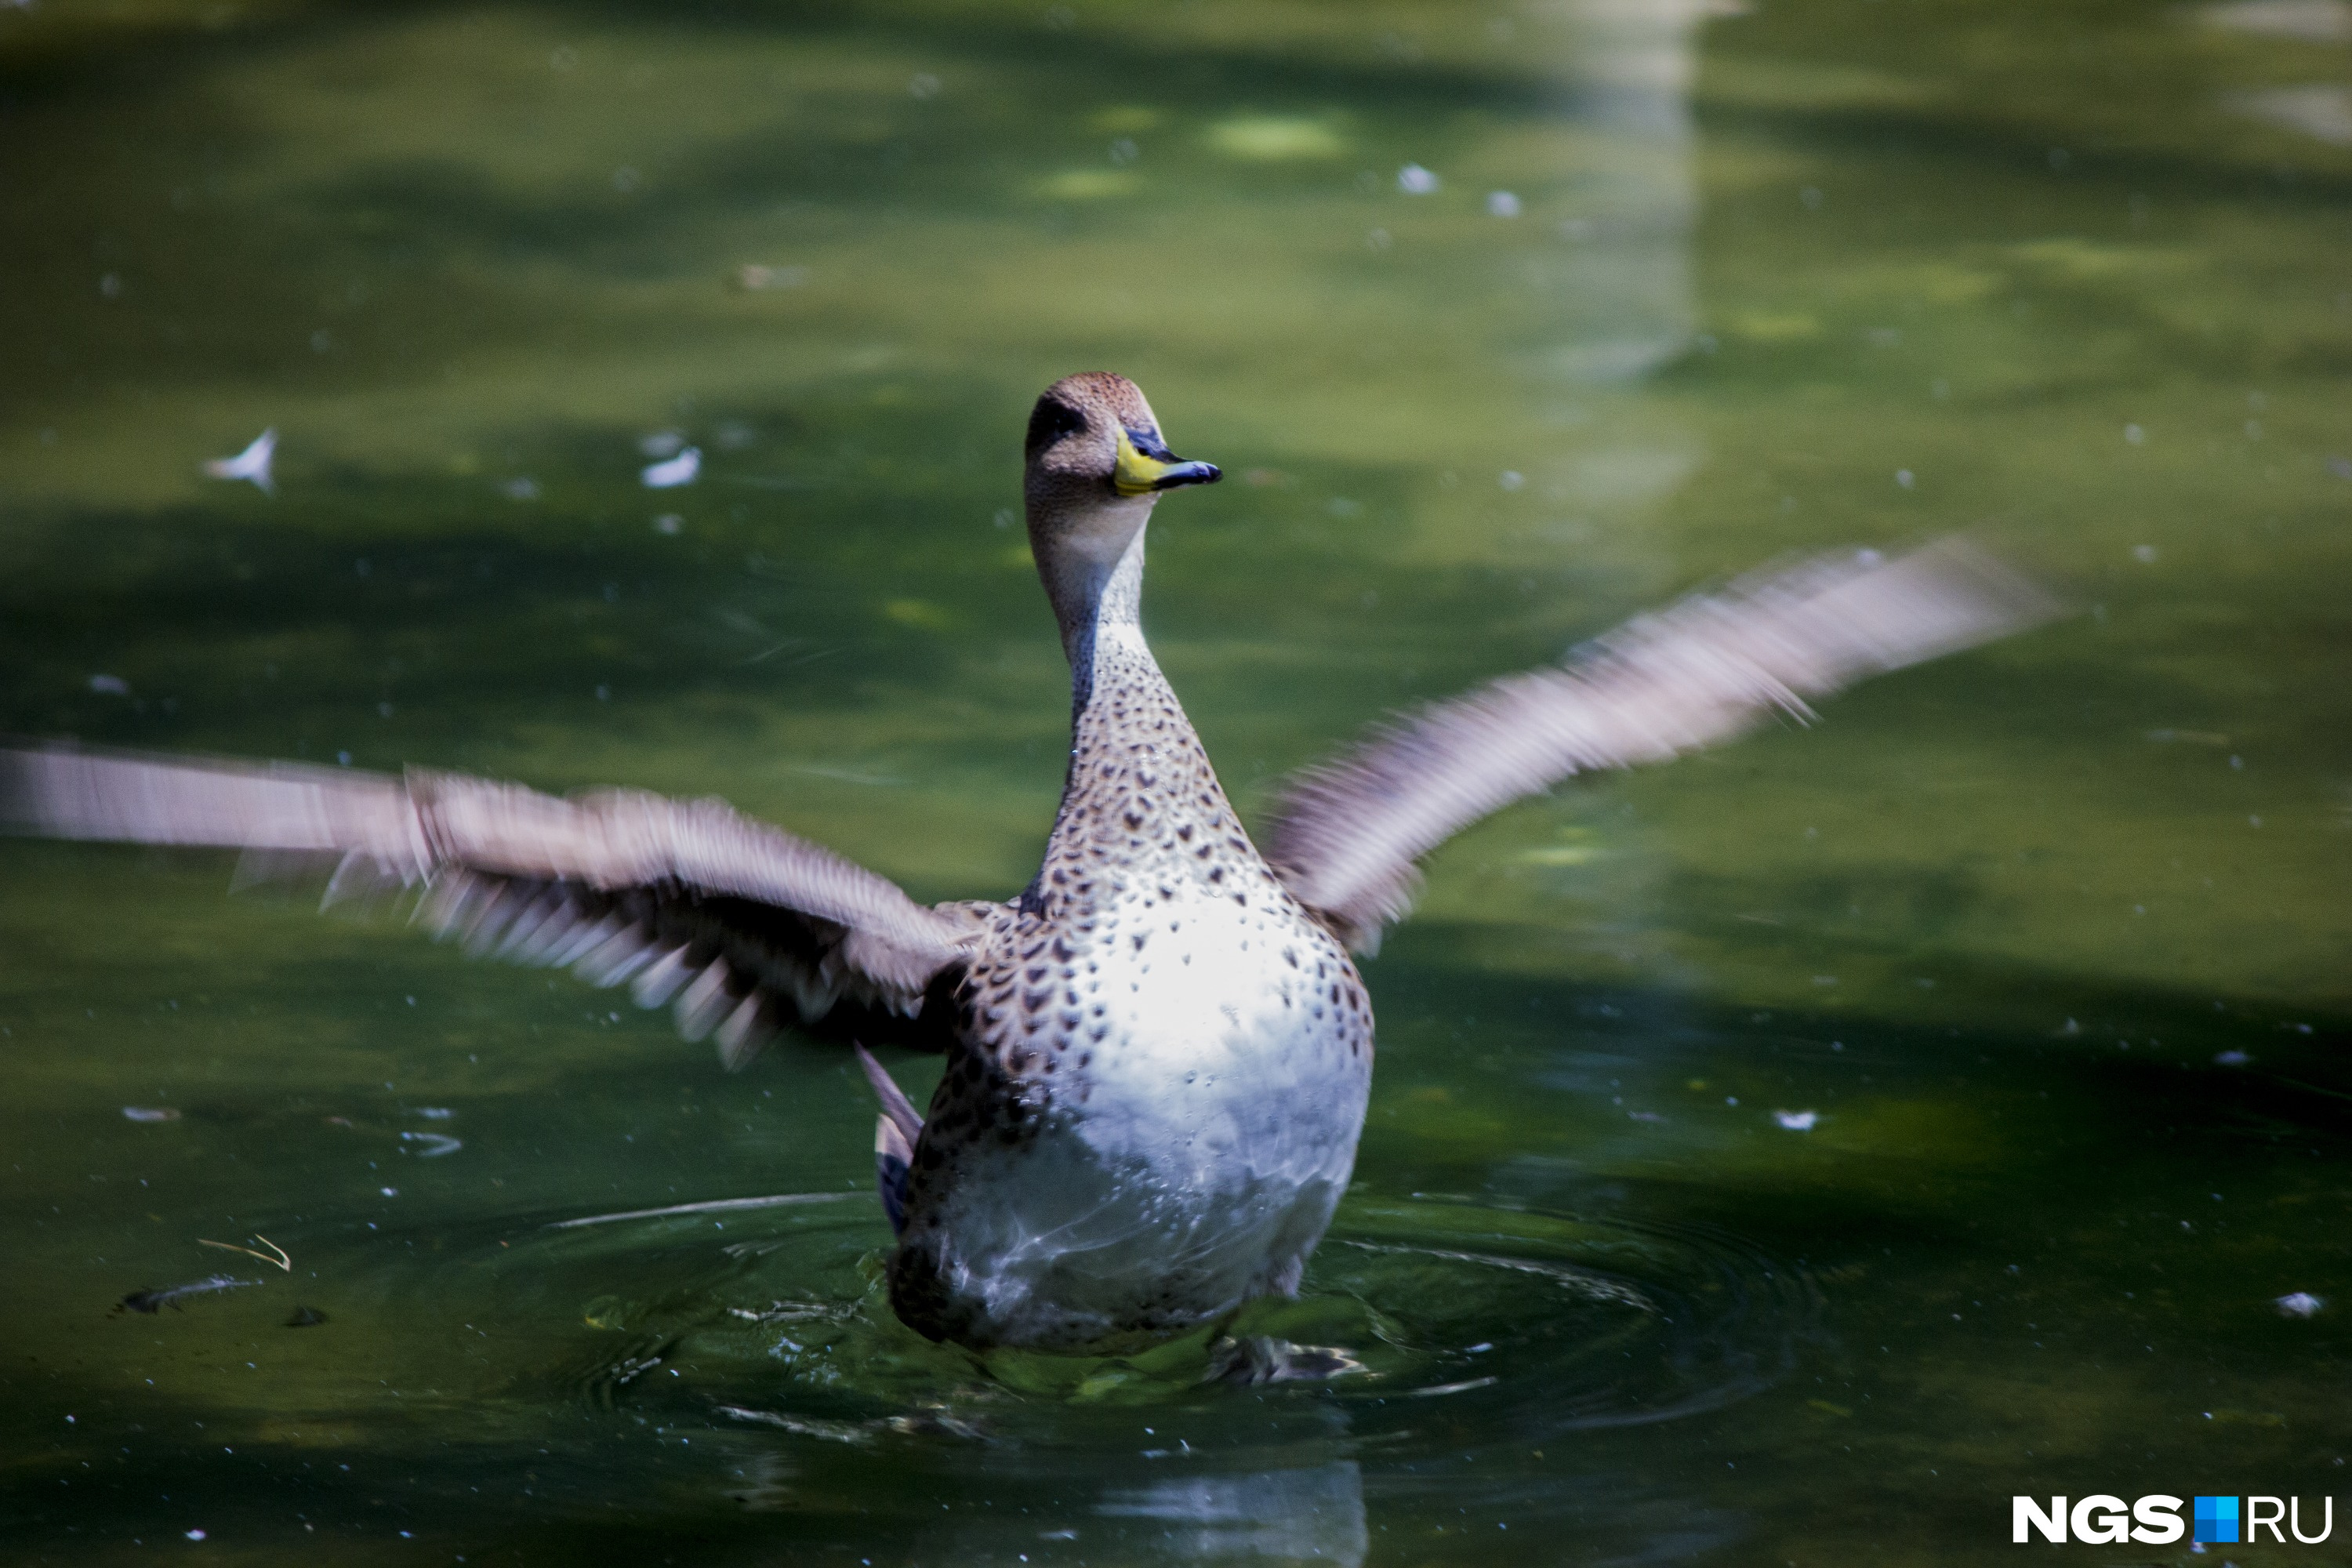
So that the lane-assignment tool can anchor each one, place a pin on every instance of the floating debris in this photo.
(2299, 1304)
(276, 1256)
(1797, 1121)
(2231, 1059)
(522, 488)
(434, 1144)
(715, 1206)
(1415, 181)
(669, 522)
(682, 470)
(1502, 204)
(152, 1302)
(252, 464)
(110, 685)
(151, 1114)
(306, 1318)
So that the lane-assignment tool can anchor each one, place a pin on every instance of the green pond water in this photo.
(2050, 938)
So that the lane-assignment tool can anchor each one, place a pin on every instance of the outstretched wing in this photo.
(745, 926)
(1346, 835)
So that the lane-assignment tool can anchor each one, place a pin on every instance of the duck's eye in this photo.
(1050, 421)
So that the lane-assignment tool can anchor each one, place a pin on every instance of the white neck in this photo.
(1094, 575)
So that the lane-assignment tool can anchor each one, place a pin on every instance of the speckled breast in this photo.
(1148, 1117)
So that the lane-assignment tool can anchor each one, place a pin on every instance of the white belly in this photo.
(1196, 1157)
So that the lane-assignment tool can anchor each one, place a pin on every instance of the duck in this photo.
(1157, 1057)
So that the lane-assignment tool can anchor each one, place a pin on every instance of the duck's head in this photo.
(1095, 465)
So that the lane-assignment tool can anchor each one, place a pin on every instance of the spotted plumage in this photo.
(1158, 1057)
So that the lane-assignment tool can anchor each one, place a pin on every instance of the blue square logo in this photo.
(2217, 1520)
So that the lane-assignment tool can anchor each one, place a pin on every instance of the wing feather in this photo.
(1346, 835)
(743, 926)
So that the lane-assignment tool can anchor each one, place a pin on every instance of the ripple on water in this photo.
(1555, 1322)
(1523, 1322)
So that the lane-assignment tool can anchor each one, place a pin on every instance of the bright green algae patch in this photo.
(2047, 941)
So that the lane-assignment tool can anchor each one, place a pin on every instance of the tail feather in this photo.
(894, 1104)
(895, 1131)
(891, 1159)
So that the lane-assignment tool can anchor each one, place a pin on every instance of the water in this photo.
(2050, 938)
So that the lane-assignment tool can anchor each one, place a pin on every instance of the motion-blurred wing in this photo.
(1346, 834)
(745, 926)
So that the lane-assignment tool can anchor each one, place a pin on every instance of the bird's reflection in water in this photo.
(1306, 1515)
